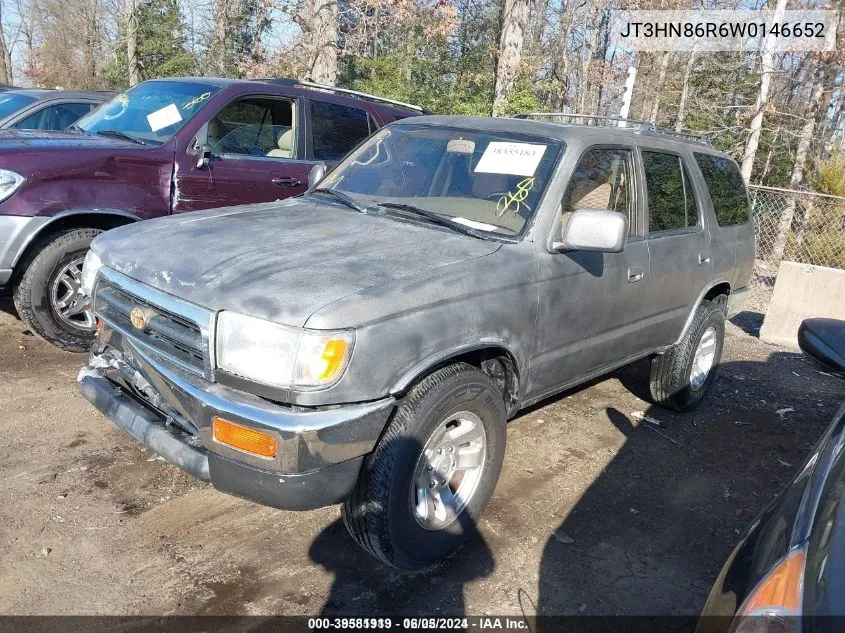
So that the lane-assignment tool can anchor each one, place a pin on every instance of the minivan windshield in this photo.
(150, 113)
(488, 181)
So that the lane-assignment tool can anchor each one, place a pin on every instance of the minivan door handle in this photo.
(635, 275)
(704, 258)
(287, 182)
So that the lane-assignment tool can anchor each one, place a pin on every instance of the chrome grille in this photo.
(173, 335)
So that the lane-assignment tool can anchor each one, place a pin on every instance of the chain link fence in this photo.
(797, 226)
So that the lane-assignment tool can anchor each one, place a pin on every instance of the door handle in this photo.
(704, 258)
(287, 182)
(635, 275)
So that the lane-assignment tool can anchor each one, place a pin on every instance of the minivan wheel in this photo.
(681, 376)
(423, 488)
(48, 297)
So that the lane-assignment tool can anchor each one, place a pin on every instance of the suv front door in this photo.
(678, 242)
(591, 305)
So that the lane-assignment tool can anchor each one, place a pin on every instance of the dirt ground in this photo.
(595, 513)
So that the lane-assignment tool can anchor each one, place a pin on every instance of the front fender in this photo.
(427, 364)
(40, 225)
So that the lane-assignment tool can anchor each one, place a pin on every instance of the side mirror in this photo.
(593, 230)
(823, 340)
(203, 154)
(316, 174)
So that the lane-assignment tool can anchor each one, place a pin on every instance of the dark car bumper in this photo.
(330, 445)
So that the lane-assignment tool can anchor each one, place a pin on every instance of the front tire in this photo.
(421, 492)
(47, 295)
(681, 376)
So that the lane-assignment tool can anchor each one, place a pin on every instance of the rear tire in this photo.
(46, 276)
(681, 376)
(412, 527)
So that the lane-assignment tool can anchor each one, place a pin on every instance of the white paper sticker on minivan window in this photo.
(513, 159)
(168, 115)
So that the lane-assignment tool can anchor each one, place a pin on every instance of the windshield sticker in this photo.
(460, 146)
(168, 115)
(513, 159)
(481, 226)
(512, 201)
(188, 105)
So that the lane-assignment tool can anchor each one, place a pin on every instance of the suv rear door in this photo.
(733, 232)
(678, 236)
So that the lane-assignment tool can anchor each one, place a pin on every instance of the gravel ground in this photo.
(596, 512)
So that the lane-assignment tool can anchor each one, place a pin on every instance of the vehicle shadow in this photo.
(365, 587)
(8, 306)
(652, 531)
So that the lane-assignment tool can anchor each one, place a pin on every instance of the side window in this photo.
(727, 189)
(602, 180)
(67, 114)
(57, 117)
(36, 121)
(337, 129)
(671, 204)
(254, 126)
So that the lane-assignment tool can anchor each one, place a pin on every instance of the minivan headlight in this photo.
(90, 268)
(279, 355)
(10, 182)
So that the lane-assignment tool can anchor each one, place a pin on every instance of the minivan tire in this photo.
(32, 294)
(381, 514)
(675, 383)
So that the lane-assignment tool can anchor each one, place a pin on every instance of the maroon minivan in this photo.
(165, 146)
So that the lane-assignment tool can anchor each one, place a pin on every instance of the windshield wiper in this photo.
(119, 134)
(349, 201)
(436, 219)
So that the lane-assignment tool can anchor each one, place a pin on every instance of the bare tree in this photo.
(514, 19)
(767, 60)
(318, 21)
(132, 41)
(682, 104)
(5, 50)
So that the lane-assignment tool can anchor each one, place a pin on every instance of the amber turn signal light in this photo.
(243, 438)
(780, 589)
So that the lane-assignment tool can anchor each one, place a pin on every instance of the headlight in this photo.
(90, 267)
(281, 356)
(774, 606)
(10, 182)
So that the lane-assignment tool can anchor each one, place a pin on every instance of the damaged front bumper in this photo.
(320, 450)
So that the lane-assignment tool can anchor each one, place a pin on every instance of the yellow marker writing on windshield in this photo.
(196, 101)
(511, 201)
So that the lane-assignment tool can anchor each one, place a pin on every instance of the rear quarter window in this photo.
(727, 189)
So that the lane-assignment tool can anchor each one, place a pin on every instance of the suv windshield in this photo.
(151, 112)
(487, 181)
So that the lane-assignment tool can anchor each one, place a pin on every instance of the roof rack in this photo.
(286, 81)
(643, 127)
(570, 115)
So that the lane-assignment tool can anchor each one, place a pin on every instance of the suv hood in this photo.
(280, 261)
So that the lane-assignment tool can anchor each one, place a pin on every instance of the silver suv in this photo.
(367, 342)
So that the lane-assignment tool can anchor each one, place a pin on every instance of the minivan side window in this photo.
(602, 180)
(337, 129)
(727, 189)
(671, 204)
